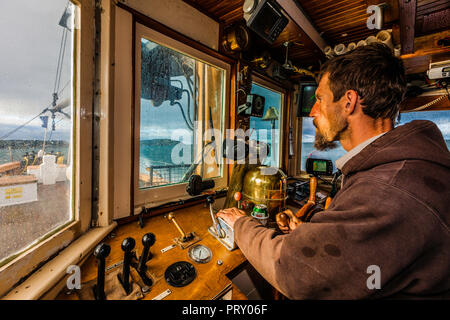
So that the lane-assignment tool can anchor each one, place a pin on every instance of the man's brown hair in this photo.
(374, 73)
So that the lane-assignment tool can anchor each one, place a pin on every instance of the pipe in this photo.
(371, 39)
(398, 50)
(351, 46)
(385, 37)
(361, 43)
(328, 52)
(340, 49)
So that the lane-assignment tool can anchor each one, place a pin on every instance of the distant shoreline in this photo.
(31, 143)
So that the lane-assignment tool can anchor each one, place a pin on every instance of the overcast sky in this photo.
(30, 37)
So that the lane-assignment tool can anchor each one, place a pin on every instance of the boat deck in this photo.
(22, 224)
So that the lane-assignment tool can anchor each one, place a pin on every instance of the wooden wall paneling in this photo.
(201, 27)
(407, 24)
(432, 16)
(426, 50)
(123, 100)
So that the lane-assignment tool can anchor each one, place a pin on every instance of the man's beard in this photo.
(321, 142)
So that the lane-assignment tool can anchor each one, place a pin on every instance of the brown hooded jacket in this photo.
(392, 213)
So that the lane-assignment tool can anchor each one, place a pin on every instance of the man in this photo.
(386, 233)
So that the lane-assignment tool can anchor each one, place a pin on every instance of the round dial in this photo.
(241, 35)
(249, 6)
(200, 253)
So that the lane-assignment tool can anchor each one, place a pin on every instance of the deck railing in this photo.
(166, 174)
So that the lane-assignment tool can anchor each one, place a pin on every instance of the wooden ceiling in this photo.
(432, 16)
(337, 21)
(302, 51)
(345, 21)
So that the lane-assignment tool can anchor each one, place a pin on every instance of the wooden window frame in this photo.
(23, 263)
(155, 196)
(283, 149)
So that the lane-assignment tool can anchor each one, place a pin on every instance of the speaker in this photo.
(255, 105)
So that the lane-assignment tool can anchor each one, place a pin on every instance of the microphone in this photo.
(196, 185)
(239, 149)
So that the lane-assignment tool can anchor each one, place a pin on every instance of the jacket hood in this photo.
(416, 140)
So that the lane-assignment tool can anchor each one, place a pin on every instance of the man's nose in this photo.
(314, 110)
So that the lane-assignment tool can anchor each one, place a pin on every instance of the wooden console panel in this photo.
(211, 279)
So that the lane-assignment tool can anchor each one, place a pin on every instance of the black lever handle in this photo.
(147, 240)
(127, 246)
(196, 185)
(210, 199)
(101, 252)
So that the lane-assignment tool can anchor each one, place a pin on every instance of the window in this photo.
(440, 118)
(180, 114)
(308, 151)
(36, 126)
(267, 128)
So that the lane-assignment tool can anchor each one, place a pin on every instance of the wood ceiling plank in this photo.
(301, 20)
(339, 11)
(432, 7)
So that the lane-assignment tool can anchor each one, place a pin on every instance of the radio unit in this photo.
(439, 70)
(265, 18)
(318, 167)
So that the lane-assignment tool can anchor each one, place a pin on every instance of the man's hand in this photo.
(287, 221)
(230, 215)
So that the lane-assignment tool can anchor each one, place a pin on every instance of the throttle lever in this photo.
(220, 233)
(124, 278)
(147, 240)
(101, 252)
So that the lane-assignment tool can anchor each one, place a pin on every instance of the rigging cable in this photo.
(23, 125)
(62, 50)
(60, 60)
(184, 115)
(189, 107)
(19, 127)
(189, 102)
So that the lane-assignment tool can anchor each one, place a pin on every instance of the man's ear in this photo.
(351, 98)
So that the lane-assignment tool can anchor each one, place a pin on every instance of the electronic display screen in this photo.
(307, 100)
(319, 165)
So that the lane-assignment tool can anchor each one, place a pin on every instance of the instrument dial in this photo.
(200, 253)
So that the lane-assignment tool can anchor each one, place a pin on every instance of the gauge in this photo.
(200, 253)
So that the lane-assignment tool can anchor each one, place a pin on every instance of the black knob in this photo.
(128, 244)
(210, 199)
(147, 240)
(101, 252)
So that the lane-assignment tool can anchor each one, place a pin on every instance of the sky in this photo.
(31, 36)
(165, 121)
(440, 118)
